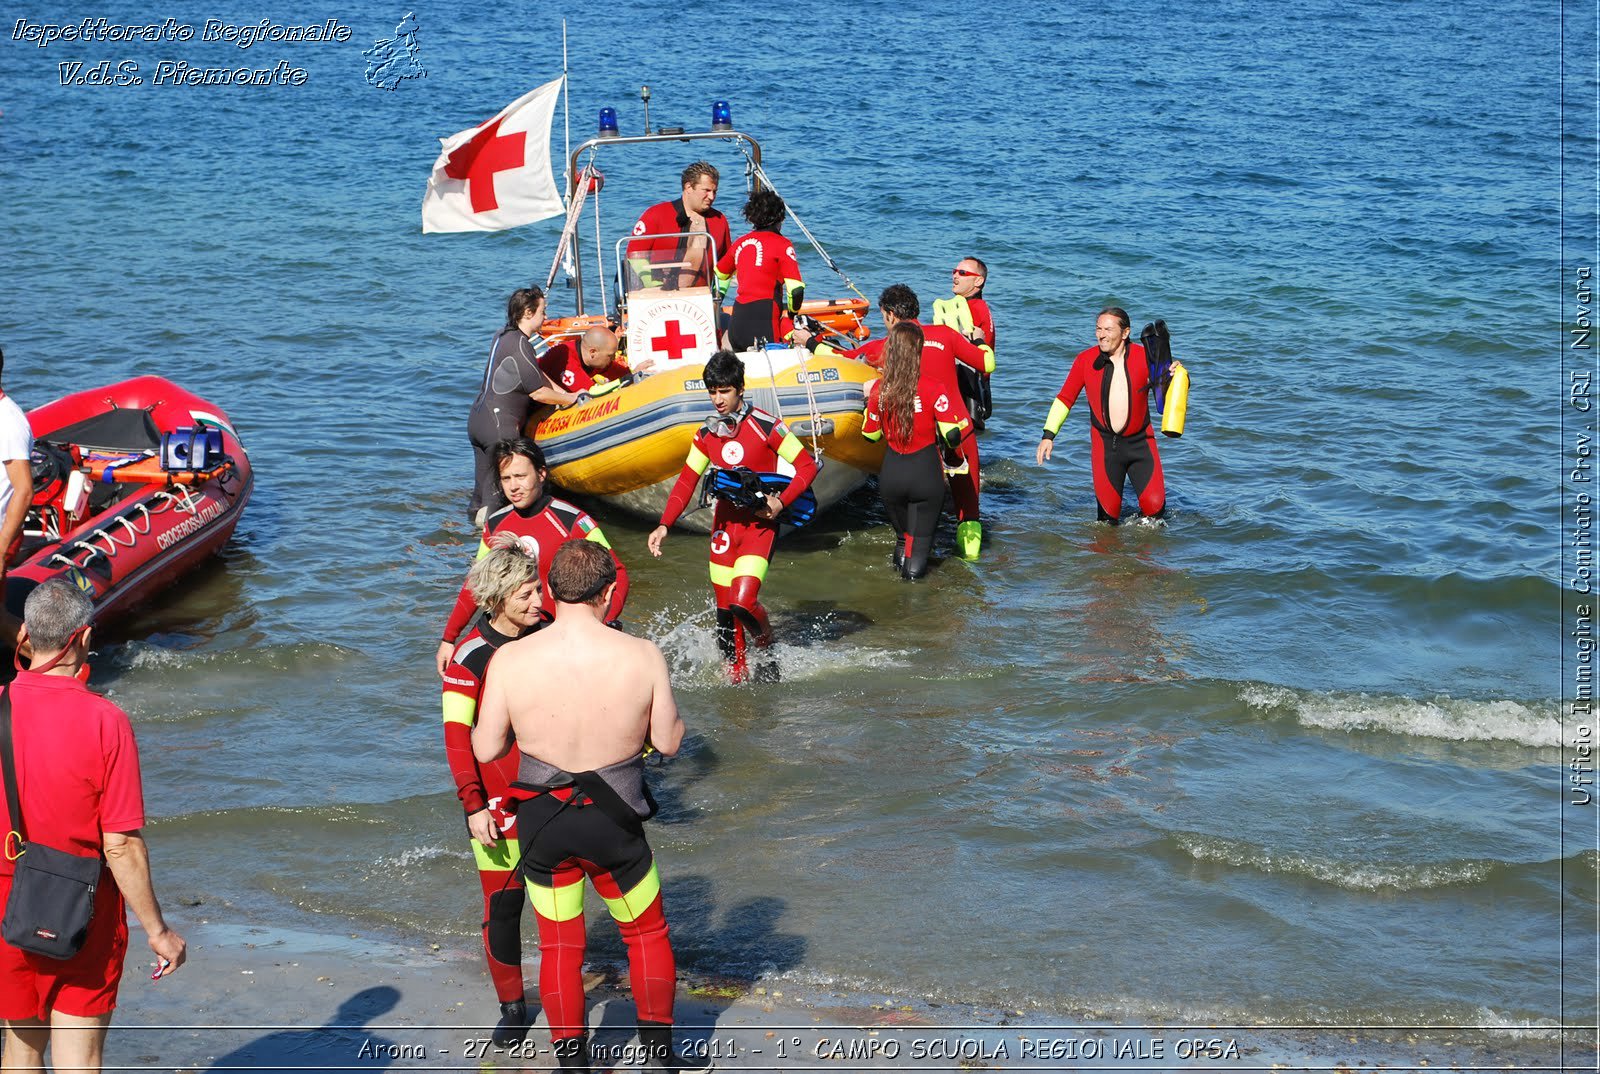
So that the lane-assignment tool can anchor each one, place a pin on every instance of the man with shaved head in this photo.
(587, 364)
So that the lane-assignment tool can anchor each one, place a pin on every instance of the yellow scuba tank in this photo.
(954, 312)
(1177, 404)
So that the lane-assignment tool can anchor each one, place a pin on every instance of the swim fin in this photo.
(969, 538)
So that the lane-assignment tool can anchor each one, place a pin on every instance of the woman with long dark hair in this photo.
(913, 409)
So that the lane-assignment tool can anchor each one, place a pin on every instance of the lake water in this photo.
(1295, 757)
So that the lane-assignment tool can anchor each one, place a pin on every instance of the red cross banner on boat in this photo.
(497, 175)
(672, 327)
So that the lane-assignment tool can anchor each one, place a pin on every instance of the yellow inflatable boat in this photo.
(626, 447)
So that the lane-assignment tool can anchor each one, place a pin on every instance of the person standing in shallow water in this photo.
(512, 386)
(913, 408)
(738, 435)
(1122, 445)
(580, 742)
(505, 585)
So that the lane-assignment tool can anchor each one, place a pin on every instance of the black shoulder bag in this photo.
(52, 892)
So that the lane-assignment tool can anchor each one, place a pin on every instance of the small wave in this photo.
(690, 647)
(1452, 719)
(296, 656)
(1354, 876)
(415, 856)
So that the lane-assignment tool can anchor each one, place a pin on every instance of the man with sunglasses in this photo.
(967, 312)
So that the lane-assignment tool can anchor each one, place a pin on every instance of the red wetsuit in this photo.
(564, 365)
(983, 319)
(769, 285)
(487, 787)
(667, 218)
(539, 530)
(942, 347)
(1117, 455)
(911, 480)
(741, 543)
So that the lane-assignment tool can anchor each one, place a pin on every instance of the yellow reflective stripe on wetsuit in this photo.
(459, 708)
(636, 901)
(794, 293)
(502, 857)
(790, 447)
(743, 567)
(1058, 414)
(988, 357)
(697, 460)
(483, 550)
(561, 903)
(598, 538)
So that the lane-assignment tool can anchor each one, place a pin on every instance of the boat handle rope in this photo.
(186, 503)
(827, 258)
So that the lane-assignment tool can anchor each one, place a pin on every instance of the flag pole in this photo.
(566, 102)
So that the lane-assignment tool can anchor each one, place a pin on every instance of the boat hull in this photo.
(143, 536)
(626, 448)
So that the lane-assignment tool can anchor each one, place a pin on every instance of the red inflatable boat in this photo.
(134, 484)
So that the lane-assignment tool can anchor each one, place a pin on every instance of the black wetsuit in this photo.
(502, 409)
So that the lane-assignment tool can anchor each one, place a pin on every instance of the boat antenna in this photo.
(644, 95)
(566, 102)
(760, 173)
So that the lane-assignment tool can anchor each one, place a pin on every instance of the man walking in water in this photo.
(581, 769)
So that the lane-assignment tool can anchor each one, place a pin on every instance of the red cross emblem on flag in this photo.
(488, 152)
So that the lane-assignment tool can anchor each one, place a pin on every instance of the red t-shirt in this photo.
(77, 765)
(564, 366)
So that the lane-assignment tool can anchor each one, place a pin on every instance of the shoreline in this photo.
(255, 997)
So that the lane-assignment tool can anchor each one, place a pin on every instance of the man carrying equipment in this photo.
(738, 435)
(1122, 446)
(580, 740)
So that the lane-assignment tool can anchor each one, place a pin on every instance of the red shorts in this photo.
(31, 986)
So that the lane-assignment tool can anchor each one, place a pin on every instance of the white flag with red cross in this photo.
(497, 174)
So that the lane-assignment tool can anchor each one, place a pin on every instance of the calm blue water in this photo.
(1294, 757)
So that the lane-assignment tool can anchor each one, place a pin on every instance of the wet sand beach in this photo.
(254, 998)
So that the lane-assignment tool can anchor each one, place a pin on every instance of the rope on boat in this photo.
(760, 173)
(184, 501)
(574, 213)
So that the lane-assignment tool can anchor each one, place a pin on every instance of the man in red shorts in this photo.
(78, 779)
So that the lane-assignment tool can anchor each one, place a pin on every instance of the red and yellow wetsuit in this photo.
(539, 530)
(911, 480)
(741, 543)
(769, 286)
(1118, 452)
(486, 787)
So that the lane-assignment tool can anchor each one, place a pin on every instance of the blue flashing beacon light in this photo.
(608, 123)
(721, 116)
